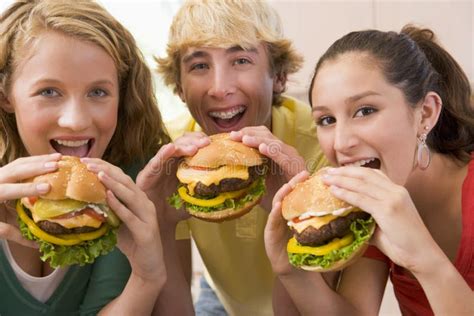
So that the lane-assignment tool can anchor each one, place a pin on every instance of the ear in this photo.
(179, 92)
(5, 104)
(279, 83)
(430, 111)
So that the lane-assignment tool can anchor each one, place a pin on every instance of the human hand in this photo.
(277, 234)
(12, 187)
(138, 236)
(285, 161)
(285, 156)
(158, 178)
(401, 233)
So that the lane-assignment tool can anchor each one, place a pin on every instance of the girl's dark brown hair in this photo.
(412, 61)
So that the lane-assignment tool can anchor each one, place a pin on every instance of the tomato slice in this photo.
(90, 212)
(32, 200)
(298, 220)
(202, 168)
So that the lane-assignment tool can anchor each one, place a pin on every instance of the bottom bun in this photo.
(343, 263)
(225, 214)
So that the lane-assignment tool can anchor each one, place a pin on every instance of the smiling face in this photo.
(362, 119)
(228, 89)
(65, 96)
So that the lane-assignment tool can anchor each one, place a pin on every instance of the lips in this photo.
(78, 148)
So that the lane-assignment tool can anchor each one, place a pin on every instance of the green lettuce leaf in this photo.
(255, 192)
(362, 233)
(81, 254)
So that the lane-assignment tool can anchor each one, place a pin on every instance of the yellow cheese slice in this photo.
(192, 176)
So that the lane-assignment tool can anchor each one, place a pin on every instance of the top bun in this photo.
(311, 195)
(72, 180)
(224, 151)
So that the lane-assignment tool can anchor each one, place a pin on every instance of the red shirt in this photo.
(411, 297)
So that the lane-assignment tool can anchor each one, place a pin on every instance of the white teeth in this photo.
(360, 162)
(225, 115)
(72, 143)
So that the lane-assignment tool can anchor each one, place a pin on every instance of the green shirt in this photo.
(83, 291)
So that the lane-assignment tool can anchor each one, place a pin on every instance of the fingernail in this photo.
(42, 187)
(92, 167)
(326, 176)
(51, 164)
(331, 170)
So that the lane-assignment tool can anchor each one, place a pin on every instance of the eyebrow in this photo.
(362, 95)
(196, 54)
(351, 99)
(200, 53)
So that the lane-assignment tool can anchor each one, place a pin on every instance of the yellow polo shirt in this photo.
(233, 252)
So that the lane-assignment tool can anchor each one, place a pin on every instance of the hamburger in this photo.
(329, 234)
(222, 181)
(72, 223)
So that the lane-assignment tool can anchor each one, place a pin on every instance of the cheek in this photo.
(326, 143)
(109, 121)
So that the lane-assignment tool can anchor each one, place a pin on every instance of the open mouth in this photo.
(373, 163)
(228, 118)
(78, 148)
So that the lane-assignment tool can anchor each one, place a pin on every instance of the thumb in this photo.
(157, 167)
(9, 232)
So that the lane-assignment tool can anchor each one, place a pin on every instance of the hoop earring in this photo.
(423, 153)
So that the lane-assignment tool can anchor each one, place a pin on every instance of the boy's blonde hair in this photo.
(140, 129)
(224, 24)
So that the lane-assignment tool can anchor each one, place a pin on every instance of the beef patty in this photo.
(56, 229)
(230, 184)
(337, 228)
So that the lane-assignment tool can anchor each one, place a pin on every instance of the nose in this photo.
(222, 82)
(74, 115)
(345, 138)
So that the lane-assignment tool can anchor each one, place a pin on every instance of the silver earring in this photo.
(423, 154)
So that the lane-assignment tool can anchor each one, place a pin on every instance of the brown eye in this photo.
(325, 121)
(364, 111)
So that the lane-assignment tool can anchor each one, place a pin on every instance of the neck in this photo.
(439, 186)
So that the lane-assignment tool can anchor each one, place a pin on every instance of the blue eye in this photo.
(49, 93)
(98, 93)
(325, 121)
(364, 111)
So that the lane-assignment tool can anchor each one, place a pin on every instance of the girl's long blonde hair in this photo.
(140, 130)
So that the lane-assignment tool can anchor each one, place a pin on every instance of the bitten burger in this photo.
(222, 181)
(329, 234)
(72, 223)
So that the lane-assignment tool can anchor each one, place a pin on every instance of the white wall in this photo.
(315, 25)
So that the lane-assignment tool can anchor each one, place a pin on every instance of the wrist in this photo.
(151, 284)
(430, 264)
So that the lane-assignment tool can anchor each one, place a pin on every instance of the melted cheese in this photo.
(192, 176)
(317, 222)
(73, 222)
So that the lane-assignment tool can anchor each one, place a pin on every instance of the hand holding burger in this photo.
(329, 234)
(72, 222)
(222, 181)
